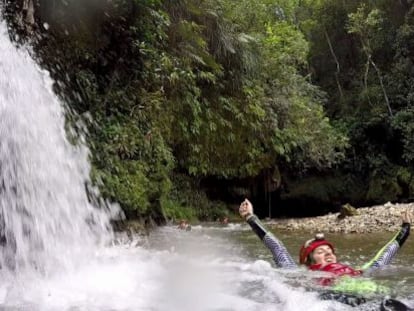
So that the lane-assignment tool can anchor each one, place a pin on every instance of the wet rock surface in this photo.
(377, 218)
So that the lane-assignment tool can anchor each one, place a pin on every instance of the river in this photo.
(207, 268)
(239, 267)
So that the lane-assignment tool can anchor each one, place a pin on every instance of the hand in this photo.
(406, 217)
(246, 209)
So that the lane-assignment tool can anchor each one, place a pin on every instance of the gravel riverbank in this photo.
(377, 218)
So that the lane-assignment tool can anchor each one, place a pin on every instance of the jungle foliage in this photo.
(176, 91)
(360, 56)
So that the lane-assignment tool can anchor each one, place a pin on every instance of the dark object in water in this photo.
(390, 304)
(349, 299)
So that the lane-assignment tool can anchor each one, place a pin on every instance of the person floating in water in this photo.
(318, 254)
(183, 225)
(223, 221)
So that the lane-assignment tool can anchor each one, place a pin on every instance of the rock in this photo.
(347, 210)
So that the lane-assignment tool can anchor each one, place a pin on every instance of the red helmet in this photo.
(310, 245)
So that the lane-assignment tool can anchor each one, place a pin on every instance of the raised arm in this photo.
(388, 252)
(280, 254)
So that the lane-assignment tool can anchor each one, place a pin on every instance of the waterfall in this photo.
(46, 220)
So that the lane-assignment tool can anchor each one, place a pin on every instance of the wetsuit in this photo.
(384, 256)
(283, 259)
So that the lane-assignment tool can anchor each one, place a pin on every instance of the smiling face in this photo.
(323, 255)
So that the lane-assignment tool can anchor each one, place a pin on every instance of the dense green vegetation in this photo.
(360, 56)
(188, 101)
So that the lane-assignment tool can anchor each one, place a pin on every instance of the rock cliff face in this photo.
(385, 217)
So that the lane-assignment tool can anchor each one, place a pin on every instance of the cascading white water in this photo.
(46, 220)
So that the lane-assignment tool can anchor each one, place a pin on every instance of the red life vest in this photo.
(338, 269)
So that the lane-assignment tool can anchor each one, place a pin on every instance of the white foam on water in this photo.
(123, 278)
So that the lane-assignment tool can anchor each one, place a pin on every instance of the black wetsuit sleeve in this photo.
(257, 226)
(403, 234)
(388, 252)
(280, 254)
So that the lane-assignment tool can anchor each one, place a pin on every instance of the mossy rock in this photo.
(136, 226)
(347, 210)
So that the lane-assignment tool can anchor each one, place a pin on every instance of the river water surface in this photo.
(241, 269)
(208, 268)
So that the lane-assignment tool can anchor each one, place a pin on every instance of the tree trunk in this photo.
(338, 68)
(387, 102)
